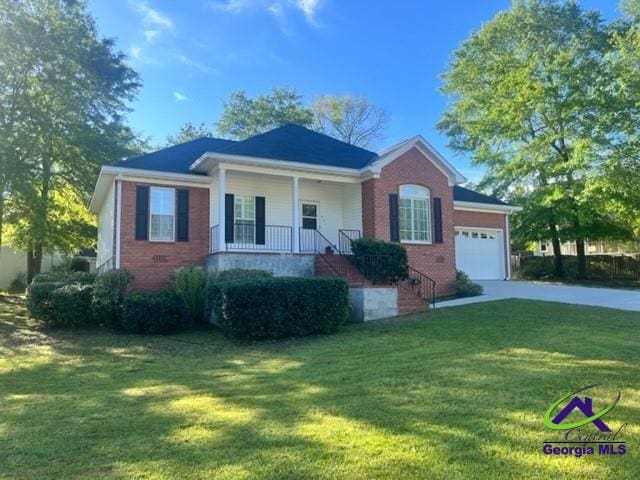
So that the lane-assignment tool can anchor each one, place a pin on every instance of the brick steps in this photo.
(409, 302)
(342, 267)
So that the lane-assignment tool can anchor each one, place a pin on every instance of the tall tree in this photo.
(66, 92)
(354, 120)
(189, 132)
(243, 117)
(529, 90)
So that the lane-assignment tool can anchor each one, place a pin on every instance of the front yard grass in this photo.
(455, 393)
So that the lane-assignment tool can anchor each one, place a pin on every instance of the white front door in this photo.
(480, 253)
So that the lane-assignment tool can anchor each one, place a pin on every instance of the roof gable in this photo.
(390, 154)
(461, 194)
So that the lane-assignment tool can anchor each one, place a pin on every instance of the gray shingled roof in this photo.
(462, 194)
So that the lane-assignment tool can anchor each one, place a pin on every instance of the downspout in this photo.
(118, 219)
(508, 246)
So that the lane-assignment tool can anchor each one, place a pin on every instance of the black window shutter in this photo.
(228, 218)
(260, 220)
(393, 218)
(183, 216)
(142, 213)
(437, 219)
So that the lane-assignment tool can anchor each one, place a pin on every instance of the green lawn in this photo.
(456, 393)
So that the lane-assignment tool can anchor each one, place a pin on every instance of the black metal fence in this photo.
(277, 238)
(598, 267)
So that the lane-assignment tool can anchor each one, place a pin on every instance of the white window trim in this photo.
(429, 215)
(310, 202)
(173, 233)
(235, 198)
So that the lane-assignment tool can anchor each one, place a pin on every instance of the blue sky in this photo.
(191, 54)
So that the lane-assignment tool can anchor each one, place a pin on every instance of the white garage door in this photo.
(480, 253)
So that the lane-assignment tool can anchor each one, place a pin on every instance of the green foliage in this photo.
(189, 132)
(262, 308)
(465, 287)
(243, 116)
(538, 100)
(108, 296)
(39, 300)
(239, 274)
(62, 276)
(18, 284)
(79, 264)
(63, 93)
(154, 312)
(189, 284)
(599, 268)
(380, 261)
(354, 120)
(71, 306)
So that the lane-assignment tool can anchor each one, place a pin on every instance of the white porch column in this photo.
(221, 204)
(296, 215)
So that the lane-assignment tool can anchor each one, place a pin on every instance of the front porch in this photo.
(269, 212)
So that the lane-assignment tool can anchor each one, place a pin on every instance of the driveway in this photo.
(596, 297)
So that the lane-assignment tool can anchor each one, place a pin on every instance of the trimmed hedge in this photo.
(71, 306)
(39, 300)
(234, 274)
(84, 278)
(263, 308)
(154, 312)
(108, 296)
(380, 261)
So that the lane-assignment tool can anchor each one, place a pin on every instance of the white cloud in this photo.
(190, 62)
(135, 52)
(277, 8)
(180, 97)
(151, 35)
(151, 17)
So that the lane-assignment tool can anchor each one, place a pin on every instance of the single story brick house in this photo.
(278, 200)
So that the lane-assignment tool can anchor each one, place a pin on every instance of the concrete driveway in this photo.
(597, 297)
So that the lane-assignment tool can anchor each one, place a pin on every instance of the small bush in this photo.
(465, 287)
(19, 283)
(39, 300)
(536, 268)
(79, 264)
(84, 278)
(380, 261)
(71, 306)
(189, 284)
(262, 308)
(108, 296)
(154, 312)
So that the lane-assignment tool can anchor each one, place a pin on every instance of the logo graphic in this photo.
(585, 406)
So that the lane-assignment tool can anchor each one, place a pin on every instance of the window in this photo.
(415, 217)
(244, 211)
(309, 216)
(162, 211)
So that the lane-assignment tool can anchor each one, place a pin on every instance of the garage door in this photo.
(480, 253)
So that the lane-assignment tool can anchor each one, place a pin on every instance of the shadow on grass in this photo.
(458, 393)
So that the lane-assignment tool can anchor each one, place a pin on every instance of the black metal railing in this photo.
(277, 238)
(420, 284)
(345, 237)
(312, 241)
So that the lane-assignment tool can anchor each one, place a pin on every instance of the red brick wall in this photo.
(464, 218)
(151, 262)
(436, 260)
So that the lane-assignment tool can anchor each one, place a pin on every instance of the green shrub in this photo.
(79, 264)
(39, 300)
(71, 306)
(380, 261)
(465, 287)
(262, 308)
(84, 278)
(154, 312)
(189, 284)
(214, 279)
(19, 283)
(108, 296)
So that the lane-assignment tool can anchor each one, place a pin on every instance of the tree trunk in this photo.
(558, 266)
(30, 265)
(1, 214)
(581, 259)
